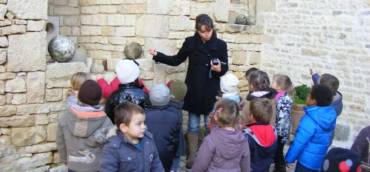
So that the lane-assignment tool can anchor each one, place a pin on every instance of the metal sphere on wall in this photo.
(133, 50)
(61, 49)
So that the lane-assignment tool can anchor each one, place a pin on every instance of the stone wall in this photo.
(107, 26)
(68, 13)
(328, 36)
(31, 90)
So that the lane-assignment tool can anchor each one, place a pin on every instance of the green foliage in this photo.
(300, 94)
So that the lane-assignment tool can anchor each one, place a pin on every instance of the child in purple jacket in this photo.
(225, 148)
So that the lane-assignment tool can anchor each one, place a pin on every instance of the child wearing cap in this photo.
(82, 130)
(341, 160)
(129, 90)
(164, 122)
(229, 87)
(178, 91)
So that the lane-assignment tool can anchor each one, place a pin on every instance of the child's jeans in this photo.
(301, 168)
(175, 164)
(194, 122)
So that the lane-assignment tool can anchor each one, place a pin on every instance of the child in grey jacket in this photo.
(82, 129)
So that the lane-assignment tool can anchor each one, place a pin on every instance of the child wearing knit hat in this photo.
(164, 121)
(341, 160)
(129, 88)
(109, 88)
(82, 130)
(229, 87)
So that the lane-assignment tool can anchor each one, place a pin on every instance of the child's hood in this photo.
(264, 135)
(228, 143)
(269, 93)
(325, 116)
(83, 121)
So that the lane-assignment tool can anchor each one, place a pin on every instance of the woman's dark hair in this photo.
(259, 80)
(203, 20)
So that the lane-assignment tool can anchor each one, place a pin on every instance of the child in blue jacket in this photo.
(314, 132)
(133, 148)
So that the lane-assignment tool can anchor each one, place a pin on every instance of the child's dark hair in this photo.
(249, 72)
(330, 81)
(123, 113)
(259, 80)
(203, 20)
(262, 110)
(322, 95)
(227, 112)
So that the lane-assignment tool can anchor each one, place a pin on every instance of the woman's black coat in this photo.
(203, 84)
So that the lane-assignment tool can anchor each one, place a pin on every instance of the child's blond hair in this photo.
(78, 79)
(227, 113)
(262, 109)
(282, 82)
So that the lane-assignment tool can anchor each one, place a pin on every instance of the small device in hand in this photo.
(215, 61)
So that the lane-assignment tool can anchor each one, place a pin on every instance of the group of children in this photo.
(140, 129)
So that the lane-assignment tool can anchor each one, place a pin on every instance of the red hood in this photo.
(265, 134)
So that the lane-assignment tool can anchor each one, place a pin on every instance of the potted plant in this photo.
(299, 101)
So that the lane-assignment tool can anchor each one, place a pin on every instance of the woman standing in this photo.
(207, 63)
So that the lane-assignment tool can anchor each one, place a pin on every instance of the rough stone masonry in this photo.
(286, 36)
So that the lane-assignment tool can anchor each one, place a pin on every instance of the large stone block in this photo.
(7, 110)
(90, 9)
(53, 95)
(91, 30)
(28, 9)
(35, 25)
(17, 121)
(222, 8)
(33, 109)
(65, 11)
(16, 85)
(47, 147)
(96, 19)
(158, 26)
(30, 48)
(3, 9)
(180, 7)
(108, 9)
(115, 20)
(2, 87)
(13, 29)
(133, 8)
(4, 42)
(34, 161)
(125, 31)
(59, 74)
(52, 132)
(159, 6)
(18, 99)
(41, 119)
(3, 55)
(180, 23)
(28, 136)
(197, 8)
(35, 80)
(2, 100)
(239, 57)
